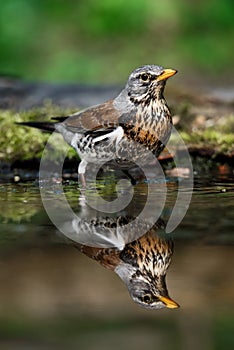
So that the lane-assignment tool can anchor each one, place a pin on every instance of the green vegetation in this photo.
(204, 125)
(212, 138)
(219, 136)
(22, 143)
(101, 41)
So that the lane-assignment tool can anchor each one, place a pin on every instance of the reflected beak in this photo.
(171, 304)
(167, 73)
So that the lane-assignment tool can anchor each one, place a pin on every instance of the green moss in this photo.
(221, 140)
(21, 143)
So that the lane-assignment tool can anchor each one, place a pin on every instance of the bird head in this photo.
(143, 270)
(147, 82)
(148, 292)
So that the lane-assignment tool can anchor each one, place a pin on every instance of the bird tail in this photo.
(46, 126)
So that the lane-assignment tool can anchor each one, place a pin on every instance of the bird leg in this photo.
(81, 172)
(82, 180)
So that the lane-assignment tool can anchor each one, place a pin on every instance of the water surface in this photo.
(53, 297)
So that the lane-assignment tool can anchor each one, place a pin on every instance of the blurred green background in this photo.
(101, 41)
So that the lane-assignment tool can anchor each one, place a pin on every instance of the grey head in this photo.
(147, 82)
(150, 293)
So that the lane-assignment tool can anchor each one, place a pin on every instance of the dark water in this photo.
(54, 297)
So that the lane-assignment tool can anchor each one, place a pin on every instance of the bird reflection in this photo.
(141, 263)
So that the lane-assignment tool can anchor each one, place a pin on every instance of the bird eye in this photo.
(147, 298)
(145, 77)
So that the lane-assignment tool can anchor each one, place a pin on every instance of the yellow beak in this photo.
(167, 73)
(171, 304)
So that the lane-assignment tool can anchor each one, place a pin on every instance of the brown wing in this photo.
(97, 117)
(107, 257)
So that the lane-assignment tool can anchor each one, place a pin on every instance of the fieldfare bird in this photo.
(127, 128)
(141, 264)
